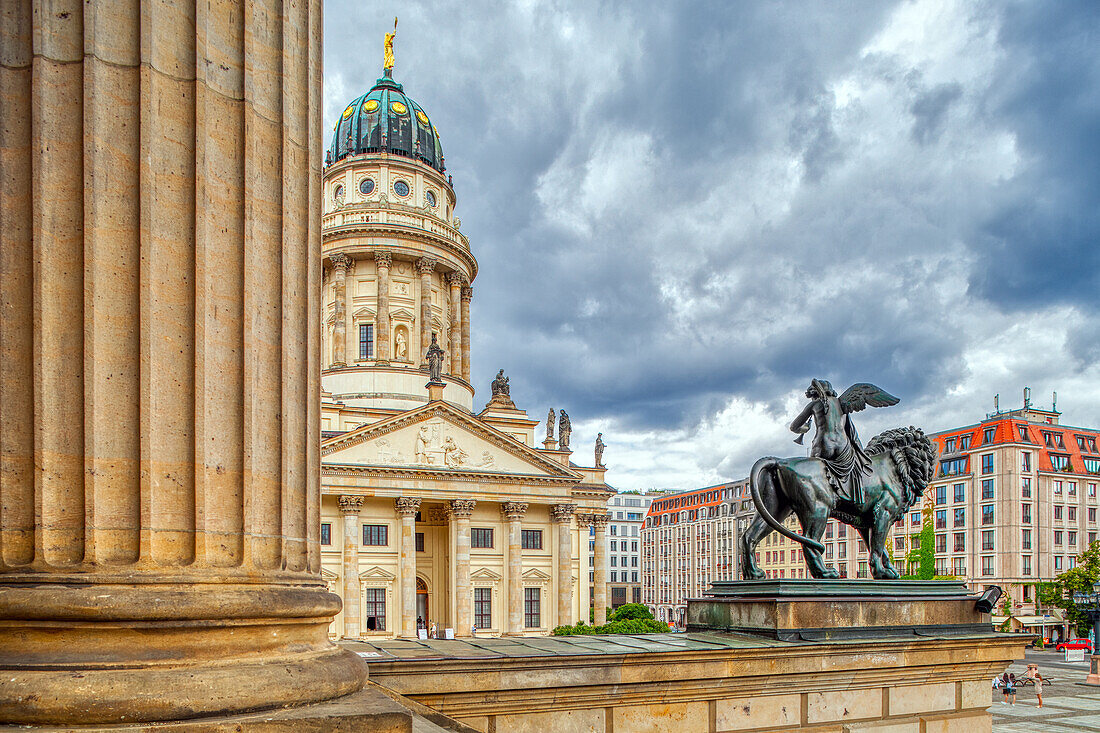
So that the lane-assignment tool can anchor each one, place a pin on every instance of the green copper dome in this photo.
(386, 120)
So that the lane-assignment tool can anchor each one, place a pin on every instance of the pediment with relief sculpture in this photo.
(440, 438)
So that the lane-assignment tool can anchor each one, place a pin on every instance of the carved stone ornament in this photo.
(383, 259)
(437, 514)
(342, 263)
(350, 504)
(599, 450)
(550, 418)
(467, 293)
(456, 279)
(513, 510)
(425, 265)
(562, 512)
(500, 385)
(461, 508)
(406, 507)
(565, 429)
(584, 519)
(599, 521)
(435, 362)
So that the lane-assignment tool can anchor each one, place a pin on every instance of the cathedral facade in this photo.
(437, 515)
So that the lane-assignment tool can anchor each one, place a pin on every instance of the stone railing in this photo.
(411, 218)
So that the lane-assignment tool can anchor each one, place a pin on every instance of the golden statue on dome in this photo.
(388, 63)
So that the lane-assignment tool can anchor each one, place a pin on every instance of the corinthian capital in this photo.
(457, 279)
(467, 293)
(383, 258)
(599, 521)
(341, 262)
(461, 508)
(350, 504)
(406, 507)
(513, 509)
(425, 265)
(562, 512)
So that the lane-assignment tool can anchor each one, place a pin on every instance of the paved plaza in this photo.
(1067, 705)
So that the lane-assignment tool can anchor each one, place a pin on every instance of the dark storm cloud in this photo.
(676, 206)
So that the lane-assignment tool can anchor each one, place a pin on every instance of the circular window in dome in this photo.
(371, 105)
(422, 117)
(338, 194)
(430, 196)
(366, 186)
(348, 111)
(401, 188)
(398, 108)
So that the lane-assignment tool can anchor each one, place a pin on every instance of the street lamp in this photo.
(1089, 604)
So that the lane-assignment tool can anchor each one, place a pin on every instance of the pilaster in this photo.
(514, 512)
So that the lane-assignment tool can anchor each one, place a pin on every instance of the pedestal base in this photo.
(813, 610)
(1094, 671)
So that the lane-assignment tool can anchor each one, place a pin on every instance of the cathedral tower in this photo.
(396, 268)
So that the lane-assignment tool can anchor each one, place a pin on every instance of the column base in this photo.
(1094, 671)
(128, 653)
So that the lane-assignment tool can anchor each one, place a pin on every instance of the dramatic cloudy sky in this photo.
(684, 211)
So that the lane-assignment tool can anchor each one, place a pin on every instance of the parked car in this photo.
(1075, 644)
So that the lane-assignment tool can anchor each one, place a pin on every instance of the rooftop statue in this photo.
(388, 63)
(869, 489)
(500, 385)
(550, 417)
(599, 450)
(435, 362)
(565, 429)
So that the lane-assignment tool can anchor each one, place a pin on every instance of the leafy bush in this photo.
(625, 626)
(630, 611)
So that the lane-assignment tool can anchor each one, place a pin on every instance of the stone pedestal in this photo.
(1094, 671)
(811, 610)
(159, 381)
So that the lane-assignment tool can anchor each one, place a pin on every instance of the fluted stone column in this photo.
(159, 382)
(562, 516)
(456, 280)
(425, 266)
(351, 333)
(513, 512)
(599, 585)
(467, 295)
(407, 509)
(383, 261)
(340, 266)
(349, 585)
(460, 511)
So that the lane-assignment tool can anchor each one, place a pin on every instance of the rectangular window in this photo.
(1022, 430)
(841, 531)
(959, 567)
(1072, 514)
(988, 435)
(1059, 463)
(899, 544)
(1026, 570)
(1058, 488)
(1057, 536)
(1025, 539)
(960, 542)
(483, 608)
(1025, 461)
(914, 519)
(1092, 491)
(374, 608)
(987, 540)
(941, 519)
(987, 489)
(532, 608)
(1057, 562)
(481, 538)
(960, 517)
(1058, 511)
(960, 493)
(614, 575)
(376, 535)
(941, 543)
(419, 542)
(1025, 488)
(987, 515)
(1092, 516)
(1071, 488)
(987, 463)
(1025, 513)
(987, 565)
(964, 443)
(941, 495)
(531, 539)
(954, 467)
(366, 341)
(1092, 465)
(941, 566)
(1071, 539)
(614, 564)
(949, 445)
(326, 533)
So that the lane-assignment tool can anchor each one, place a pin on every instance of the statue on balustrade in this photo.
(869, 489)
(565, 429)
(599, 450)
(550, 417)
(435, 362)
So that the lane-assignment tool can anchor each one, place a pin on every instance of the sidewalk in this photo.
(1068, 707)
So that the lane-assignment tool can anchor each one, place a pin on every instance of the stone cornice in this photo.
(424, 473)
(396, 231)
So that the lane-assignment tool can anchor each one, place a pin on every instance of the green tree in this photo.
(1079, 579)
(924, 556)
(630, 611)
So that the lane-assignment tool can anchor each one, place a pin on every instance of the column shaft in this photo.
(460, 511)
(350, 331)
(350, 586)
(562, 515)
(467, 294)
(513, 513)
(159, 416)
(425, 266)
(383, 261)
(599, 586)
(340, 357)
(454, 350)
(407, 509)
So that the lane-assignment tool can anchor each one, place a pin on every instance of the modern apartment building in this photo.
(1014, 502)
(626, 513)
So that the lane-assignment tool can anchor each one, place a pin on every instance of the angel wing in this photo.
(861, 394)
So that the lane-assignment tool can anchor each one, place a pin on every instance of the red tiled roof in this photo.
(1007, 431)
(687, 500)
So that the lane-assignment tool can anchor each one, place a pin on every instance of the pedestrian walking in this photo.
(1039, 688)
(1010, 688)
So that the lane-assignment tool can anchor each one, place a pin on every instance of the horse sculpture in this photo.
(902, 464)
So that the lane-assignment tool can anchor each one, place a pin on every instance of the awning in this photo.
(1038, 620)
